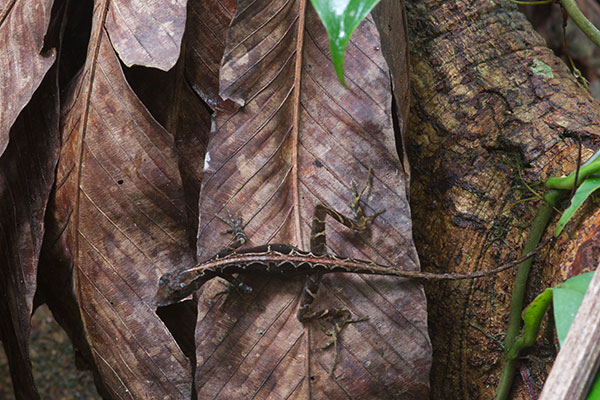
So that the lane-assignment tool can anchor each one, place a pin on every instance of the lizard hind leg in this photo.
(318, 246)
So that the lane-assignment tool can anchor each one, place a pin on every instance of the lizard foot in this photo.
(236, 228)
(339, 317)
(360, 219)
(233, 285)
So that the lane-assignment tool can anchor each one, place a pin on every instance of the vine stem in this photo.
(538, 228)
(574, 12)
(582, 22)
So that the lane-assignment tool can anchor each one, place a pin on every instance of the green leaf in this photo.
(583, 191)
(566, 301)
(594, 393)
(341, 18)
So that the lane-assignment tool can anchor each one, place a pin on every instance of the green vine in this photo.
(574, 12)
(560, 188)
(540, 222)
(581, 21)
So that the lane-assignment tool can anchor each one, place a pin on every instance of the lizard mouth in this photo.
(159, 302)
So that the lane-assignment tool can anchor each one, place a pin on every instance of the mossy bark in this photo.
(493, 111)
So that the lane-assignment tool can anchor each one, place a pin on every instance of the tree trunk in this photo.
(492, 109)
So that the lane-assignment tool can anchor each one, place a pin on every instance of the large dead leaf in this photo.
(390, 18)
(273, 168)
(23, 24)
(120, 214)
(173, 103)
(147, 32)
(27, 170)
(26, 177)
(204, 44)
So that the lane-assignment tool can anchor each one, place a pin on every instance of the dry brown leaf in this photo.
(26, 178)
(23, 25)
(191, 137)
(198, 95)
(146, 32)
(205, 43)
(390, 18)
(27, 170)
(120, 214)
(259, 164)
(183, 99)
(174, 104)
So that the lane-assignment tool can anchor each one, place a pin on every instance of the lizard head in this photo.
(173, 287)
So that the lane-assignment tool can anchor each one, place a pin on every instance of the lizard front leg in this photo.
(175, 286)
(318, 246)
(236, 228)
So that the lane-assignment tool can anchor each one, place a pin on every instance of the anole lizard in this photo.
(285, 259)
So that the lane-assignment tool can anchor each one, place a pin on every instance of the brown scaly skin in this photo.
(176, 286)
(284, 259)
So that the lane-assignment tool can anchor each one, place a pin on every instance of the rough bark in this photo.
(489, 101)
(547, 21)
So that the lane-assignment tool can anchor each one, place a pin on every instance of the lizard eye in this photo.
(181, 285)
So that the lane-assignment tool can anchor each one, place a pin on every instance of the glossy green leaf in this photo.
(594, 393)
(590, 167)
(566, 301)
(341, 18)
(586, 188)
